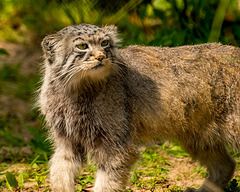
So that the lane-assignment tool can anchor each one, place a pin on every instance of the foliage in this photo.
(156, 22)
(233, 186)
(33, 172)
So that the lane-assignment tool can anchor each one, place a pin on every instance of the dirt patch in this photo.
(16, 100)
(181, 173)
(28, 56)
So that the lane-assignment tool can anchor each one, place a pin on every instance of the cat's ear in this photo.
(112, 32)
(50, 43)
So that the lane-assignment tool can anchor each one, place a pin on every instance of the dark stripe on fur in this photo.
(66, 58)
(78, 38)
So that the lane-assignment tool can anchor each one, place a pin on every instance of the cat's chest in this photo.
(87, 114)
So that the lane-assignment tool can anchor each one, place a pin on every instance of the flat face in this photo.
(84, 52)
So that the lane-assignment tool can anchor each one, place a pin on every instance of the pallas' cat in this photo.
(101, 102)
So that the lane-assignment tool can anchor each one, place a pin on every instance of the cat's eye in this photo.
(82, 46)
(104, 43)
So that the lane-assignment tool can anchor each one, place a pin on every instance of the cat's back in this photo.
(195, 59)
(211, 65)
(206, 74)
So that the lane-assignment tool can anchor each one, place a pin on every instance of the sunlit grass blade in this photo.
(218, 21)
(34, 160)
(11, 180)
(21, 180)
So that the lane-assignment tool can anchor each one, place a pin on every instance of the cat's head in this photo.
(80, 53)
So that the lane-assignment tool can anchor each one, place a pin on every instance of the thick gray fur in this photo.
(102, 102)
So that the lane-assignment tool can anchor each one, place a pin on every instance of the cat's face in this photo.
(80, 53)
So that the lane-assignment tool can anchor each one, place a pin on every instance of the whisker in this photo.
(86, 62)
(70, 75)
(59, 76)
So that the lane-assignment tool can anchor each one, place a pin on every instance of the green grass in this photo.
(151, 173)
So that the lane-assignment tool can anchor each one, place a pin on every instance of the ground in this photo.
(158, 170)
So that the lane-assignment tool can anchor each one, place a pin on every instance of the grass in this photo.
(151, 173)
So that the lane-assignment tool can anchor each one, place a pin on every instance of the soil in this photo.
(29, 60)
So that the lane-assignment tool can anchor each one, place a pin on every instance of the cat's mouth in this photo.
(95, 71)
(99, 65)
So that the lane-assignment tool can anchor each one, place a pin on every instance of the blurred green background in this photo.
(156, 22)
(24, 23)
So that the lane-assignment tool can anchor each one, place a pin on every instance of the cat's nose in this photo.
(100, 57)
